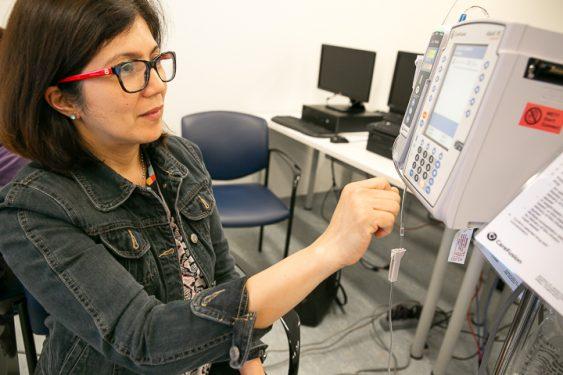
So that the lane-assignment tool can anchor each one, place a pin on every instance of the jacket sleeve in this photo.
(82, 286)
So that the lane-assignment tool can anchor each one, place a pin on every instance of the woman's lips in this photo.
(153, 114)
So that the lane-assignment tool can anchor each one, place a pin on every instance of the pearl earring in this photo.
(72, 117)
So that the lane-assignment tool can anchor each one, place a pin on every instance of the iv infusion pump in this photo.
(489, 120)
(420, 84)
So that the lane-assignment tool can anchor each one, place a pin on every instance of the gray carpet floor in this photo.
(341, 344)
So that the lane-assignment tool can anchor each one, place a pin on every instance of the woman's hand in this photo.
(365, 208)
(252, 367)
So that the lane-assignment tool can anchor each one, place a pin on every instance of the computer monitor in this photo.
(401, 87)
(347, 72)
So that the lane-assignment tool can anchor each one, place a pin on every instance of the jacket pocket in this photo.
(131, 249)
(199, 204)
(195, 214)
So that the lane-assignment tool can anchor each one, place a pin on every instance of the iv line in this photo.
(390, 304)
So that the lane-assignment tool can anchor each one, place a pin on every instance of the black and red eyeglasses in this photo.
(134, 75)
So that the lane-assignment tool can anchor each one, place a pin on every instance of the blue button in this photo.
(421, 122)
(437, 164)
(472, 101)
(427, 190)
(486, 64)
(433, 88)
(411, 172)
(431, 181)
(481, 77)
(434, 151)
(437, 79)
(467, 113)
(443, 58)
(434, 173)
(427, 146)
(477, 88)
(440, 156)
(430, 98)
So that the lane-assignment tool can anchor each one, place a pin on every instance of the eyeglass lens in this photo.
(134, 74)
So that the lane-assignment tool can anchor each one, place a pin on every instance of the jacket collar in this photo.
(107, 190)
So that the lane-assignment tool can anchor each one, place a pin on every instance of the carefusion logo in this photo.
(492, 236)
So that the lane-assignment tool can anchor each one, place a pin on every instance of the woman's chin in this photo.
(152, 133)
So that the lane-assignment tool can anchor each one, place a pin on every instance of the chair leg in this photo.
(260, 239)
(290, 221)
(27, 333)
(288, 237)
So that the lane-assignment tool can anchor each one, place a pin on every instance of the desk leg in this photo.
(457, 320)
(312, 178)
(433, 295)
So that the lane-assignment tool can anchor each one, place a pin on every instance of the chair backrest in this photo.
(233, 144)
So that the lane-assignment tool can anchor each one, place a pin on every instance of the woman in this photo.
(113, 226)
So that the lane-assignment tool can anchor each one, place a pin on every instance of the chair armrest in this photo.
(243, 265)
(296, 170)
(290, 321)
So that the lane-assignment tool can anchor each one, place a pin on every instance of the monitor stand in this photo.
(354, 107)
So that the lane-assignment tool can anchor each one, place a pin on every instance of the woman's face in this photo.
(111, 116)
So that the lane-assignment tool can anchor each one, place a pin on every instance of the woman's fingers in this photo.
(374, 183)
(389, 205)
(382, 221)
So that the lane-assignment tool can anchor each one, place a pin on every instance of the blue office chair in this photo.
(235, 145)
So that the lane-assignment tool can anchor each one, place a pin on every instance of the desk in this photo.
(353, 154)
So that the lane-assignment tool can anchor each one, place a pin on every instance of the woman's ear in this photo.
(61, 103)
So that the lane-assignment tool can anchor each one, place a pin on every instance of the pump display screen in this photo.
(458, 86)
(429, 58)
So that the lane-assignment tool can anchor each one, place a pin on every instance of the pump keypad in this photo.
(424, 169)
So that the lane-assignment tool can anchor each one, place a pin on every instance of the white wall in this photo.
(262, 57)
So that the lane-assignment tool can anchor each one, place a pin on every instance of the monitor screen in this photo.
(346, 71)
(401, 87)
(458, 86)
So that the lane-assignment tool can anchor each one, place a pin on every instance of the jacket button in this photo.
(234, 353)
(193, 238)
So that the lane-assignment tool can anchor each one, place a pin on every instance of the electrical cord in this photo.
(337, 337)
(379, 341)
(478, 7)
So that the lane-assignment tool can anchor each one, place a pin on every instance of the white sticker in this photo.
(507, 276)
(460, 245)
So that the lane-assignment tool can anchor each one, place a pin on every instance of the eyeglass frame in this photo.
(116, 70)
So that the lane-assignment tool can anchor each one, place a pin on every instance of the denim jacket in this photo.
(98, 253)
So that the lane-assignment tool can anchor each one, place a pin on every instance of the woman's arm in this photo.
(366, 208)
(252, 367)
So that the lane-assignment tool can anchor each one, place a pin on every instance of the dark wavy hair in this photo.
(45, 41)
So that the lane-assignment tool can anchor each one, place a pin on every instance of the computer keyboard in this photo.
(305, 127)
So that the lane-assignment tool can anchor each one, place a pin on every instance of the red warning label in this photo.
(542, 118)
